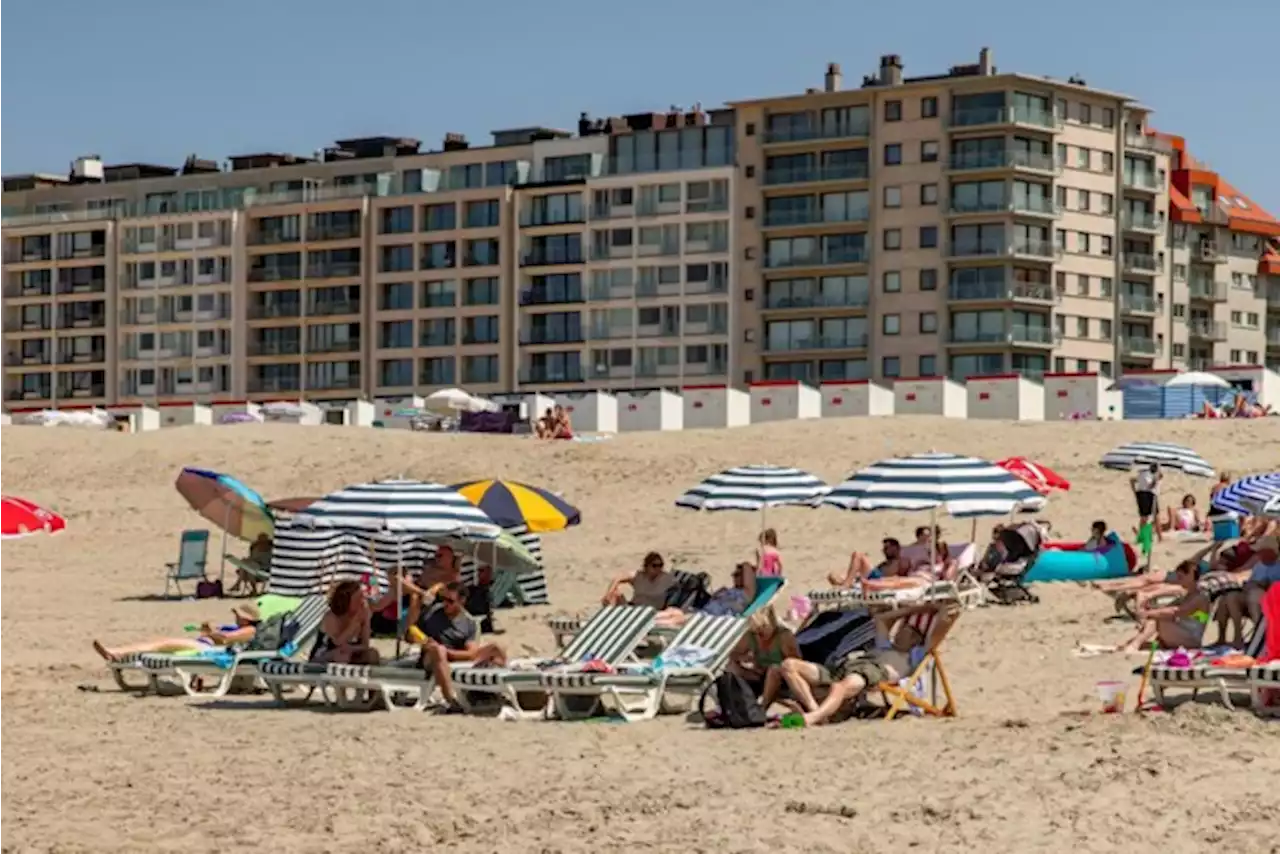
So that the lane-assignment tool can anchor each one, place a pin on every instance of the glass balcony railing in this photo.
(1141, 181)
(1040, 292)
(1040, 249)
(1136, 345)
(819, 342)
(1138, 304)
(790, 301)
(1140, 262)
(1032, 335)
(805, 133)
(1008, 159)
(1016, 115)
(1207, 330)
(1207, 290)
(828, 258)
(777, 219)
(812, 174)
(1141, 221)
(555, 297)
(551, 375)
(551, 336)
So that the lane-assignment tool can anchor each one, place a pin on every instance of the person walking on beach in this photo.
(1146, 482)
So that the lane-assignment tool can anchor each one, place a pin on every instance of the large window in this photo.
(977, 326)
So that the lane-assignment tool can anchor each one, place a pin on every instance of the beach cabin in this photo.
(715, 406)
(356, 413)
(184, 414)
(1081, 397)
(397, 412)
(784, 400)
(292, 412)
(1262, 383)
(590, 411)
(930, 396)
(652, 409)
(135, 418)
(532, 404)
(845, 398)
(1006, 397)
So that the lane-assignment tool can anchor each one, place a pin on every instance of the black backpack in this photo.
(689, 593)
(739, 708)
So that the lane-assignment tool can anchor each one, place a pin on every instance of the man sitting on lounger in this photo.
(898, 632)
(860, 568)
(451, 637)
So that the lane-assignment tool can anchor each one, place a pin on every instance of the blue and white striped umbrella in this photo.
(961, 486)
(1166, 454)
(1247, 494)
(400, 506)
(755, 488)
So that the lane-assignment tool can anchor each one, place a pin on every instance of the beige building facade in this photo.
(966, 223)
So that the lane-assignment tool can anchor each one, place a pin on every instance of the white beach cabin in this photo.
(652, 409)
(1005, 397)
(715, 406)
(784, 400)
(136, 418)
(184, 414)
(930, 396)
(590, 411)
(846, 398)
(1081, 396)
(1263, 382)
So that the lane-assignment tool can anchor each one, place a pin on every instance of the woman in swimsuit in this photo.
(1185, 518)
(759, 655)
(345, 630)
(1178, 625)
(238, 633)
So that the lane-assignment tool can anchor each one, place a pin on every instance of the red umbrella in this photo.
(21, 517)
(1040, 478)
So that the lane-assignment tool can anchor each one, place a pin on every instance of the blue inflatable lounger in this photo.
(1070, 562)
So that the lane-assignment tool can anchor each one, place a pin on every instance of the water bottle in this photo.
(792, 720)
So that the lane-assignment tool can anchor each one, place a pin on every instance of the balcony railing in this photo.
(1207, 330)
(275, 348)
(1207, 290)
(813, 174)
(1141, 221)
(1273, 337)
(546, 375)
(1041, 292)
(1141, 181)
(96, 286)
(1140, 262)
(350, 231)
(561, 297)
(15, 290)
(1042, 249)
(1132, 345)
(275, 274)
(810, 134)
(1273, 296)
(334, 307)
(602, 332)
(815, 216)
(1033, 335)
(1015, 115)
(270, 310)
(68, 391)
(350, 345)
(1148, 143)
(1008, 159)
(543, 258)
(820, 259)
(71, 321)
(1138, 304)
(819, 342)
(779, 302)
(274, 384)
(350, 381)
(73, 358)
(335, 270)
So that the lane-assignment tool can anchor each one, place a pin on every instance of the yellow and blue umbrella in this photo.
(518, 505)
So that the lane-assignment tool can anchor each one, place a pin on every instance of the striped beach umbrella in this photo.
(399, 506)
(519, 505)
(1247, 494)
(1270, 508)
(960, 486)
(755, 488)
(1166, 454)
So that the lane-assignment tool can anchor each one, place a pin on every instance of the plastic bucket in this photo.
(1111, 694)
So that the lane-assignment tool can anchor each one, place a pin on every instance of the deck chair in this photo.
(506, 590)
(258, 575)
(1264, 688)
(926, 690)
(564, 627)
(1203, 675)
(222, 667)
(193, 557)
(844, 599)
(640, 692)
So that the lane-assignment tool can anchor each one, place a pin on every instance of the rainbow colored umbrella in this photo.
(519, 505)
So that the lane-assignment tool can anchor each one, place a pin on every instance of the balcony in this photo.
(1207, 290)
(818, 342)
(1033, 336)
(335, 270)
(1150, 223)
(1208, 252)
(1008, 159)
(269, 310)
(558, 297)
(340, 231)
(16, 359)
(347, 345)
(815, 174)
(782, 136)
(992, 116)
(783, 219)
(1141, 263)
(785, 303)
(545, 258)
(1139, 304)
(97, 250)
(829, 258)
(1034, 292)
(270, 347)
(1148, 143)
(548, 375)
(1273, 338)
(19, 324)
(1139, 347)
(95, 390)
(1038, 250)
(336, 383)
(259, 385)
(15, 290)
(73, 358)
(329, 308)
(272, 238)
(275, 274)
(1025, 207)
(551, 336)
(645, 290)
(1273, 297)
(1143, 181)
(1207, 330)
(92, 321)
(601, 332)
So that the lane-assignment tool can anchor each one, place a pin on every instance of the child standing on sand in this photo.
(768, 558)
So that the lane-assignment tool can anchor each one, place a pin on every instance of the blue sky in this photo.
(155, 80)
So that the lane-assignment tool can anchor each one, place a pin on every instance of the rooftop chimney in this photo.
(891, 70)
(833, 78)
(455, 142)
(985, 65)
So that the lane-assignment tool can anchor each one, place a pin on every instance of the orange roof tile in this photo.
(1244, 214)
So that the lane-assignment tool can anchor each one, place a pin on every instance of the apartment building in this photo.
(978, 222)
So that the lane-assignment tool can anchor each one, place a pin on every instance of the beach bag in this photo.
(209, 589)
(690, 593)
(274, 632)
(739, 708)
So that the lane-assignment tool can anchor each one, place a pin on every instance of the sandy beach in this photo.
(89, 768)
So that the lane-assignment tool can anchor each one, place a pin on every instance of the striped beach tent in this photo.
(754, 488)
(1245, 495)
(960, 486)
(1166, 454)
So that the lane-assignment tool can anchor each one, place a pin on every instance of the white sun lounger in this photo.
(1204, 676)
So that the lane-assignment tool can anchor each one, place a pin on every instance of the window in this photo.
(1082, 157)
(1061, 193)
(396, 296)
(482, 214)
(891, 324)
(1105, 245)
(929, 151)
(1082, 285)
(891, 366)
(893, 154)
(928, 237)
(928, 366)
(1082, 327)
(1082, 200)
(893, 111)
(395, 372)
(1082, 242)
(892, 282)
(439, 295)
(1108, 162)
(1104, 286)
(893, 238)
(395, 335)
(1236, 357)
(1107, 203)
(929, 280)
(396, 220)
(480, 253)
(1086, 115)
(479, 369)
(928, 108)
(928, 194)
(893, 197)
(1104, 329)
(1062, 154)
(396, 259)
(439, 217)
(483, 291)
(480, 330)
(1108, 117)
(928, 322)
(438, 256)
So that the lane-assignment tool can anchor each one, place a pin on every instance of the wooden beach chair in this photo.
(926, 690)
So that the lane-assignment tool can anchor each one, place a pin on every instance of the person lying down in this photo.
(210, 637)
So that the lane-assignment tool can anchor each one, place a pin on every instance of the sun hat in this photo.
(248, 612)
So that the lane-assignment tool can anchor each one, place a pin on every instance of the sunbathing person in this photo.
(1178, 625)
(726, 601)
(759, 655)
(898, 632)
(861, 569)
(210, 637)
(649, 586)
(1098, 539)
(1256, 575)
(1185, 518)
(345, 632)
(450, 637)
(416, 591)
(545, 427)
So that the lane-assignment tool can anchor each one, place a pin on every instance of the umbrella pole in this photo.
(222, 559)
(400, 613)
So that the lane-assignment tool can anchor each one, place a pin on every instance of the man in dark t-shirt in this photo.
(451, 638)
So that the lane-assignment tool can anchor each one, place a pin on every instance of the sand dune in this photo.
(98, 770)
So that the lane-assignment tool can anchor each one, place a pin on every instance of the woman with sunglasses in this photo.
(649, 586)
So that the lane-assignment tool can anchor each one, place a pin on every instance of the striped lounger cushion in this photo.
(1268, 673)
(290, 669)
(492, 677)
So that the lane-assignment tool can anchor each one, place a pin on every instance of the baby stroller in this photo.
(1008, 566)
